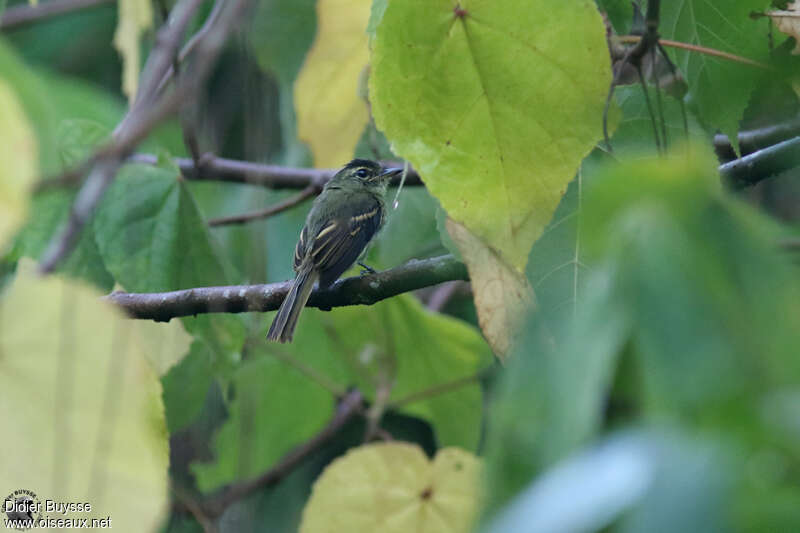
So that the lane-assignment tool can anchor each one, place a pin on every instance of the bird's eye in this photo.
(361, 172)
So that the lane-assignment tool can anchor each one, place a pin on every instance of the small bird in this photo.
(343, 220)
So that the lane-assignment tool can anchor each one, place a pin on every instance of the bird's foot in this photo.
(366, 269)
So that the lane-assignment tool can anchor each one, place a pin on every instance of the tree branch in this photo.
(362, 290)
(761, 164)
(754, 140)
(212, 168)
(215, 505)
(24, 14)
(271, 176)
(308, 192)
(144, 115)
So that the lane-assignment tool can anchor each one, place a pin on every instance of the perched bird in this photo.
(344, 218)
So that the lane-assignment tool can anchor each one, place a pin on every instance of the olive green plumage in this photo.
(343, 220)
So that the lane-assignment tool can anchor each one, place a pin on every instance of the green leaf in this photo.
(712, 340)
(37, 104)
(691, 289)
(424, 350)
(396, 341)
(49, 210)
(619, 13)
(275, 408)
(281, 34)
(410, 231)
(77, 138)
(551, 399)
(493, 108)
(151, 235)
(634, 136)
(186, 386)
(719, 89)
(103, 404)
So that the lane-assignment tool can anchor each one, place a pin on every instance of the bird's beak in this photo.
(389, 173)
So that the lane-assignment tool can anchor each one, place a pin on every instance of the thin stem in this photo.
(628, 39)
(437, 390)
(274, 209)
(663, 122)
(659, 147)
(320, 379)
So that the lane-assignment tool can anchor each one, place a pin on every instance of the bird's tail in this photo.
(282, 328)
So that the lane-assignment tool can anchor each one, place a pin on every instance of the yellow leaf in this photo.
(82, 409)
(502, 295)
(165, 343)
(331, 115)
(393, 487)
(18, 153)
(788, 21)
(135, 16)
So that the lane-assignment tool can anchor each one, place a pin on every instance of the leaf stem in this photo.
(437, 390)
(630, 39)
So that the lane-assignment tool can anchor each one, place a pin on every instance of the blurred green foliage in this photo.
(687, 321)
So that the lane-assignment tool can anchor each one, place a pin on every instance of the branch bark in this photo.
(761, 164)
(19, 16)
(362, 290)
(212, 168)
(271, 176)
(753, 140)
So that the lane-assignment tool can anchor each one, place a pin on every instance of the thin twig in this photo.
(19, 16)
(359, 290)
(308, 371)
(437, 390)
(348, 407)
(308, 192)
(190, 44)
(187, 501)
(642, 82)
(629, 39)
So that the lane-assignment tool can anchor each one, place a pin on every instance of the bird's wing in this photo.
(340, 242)
(300, 249)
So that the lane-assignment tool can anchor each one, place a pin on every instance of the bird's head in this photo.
(365, 173)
